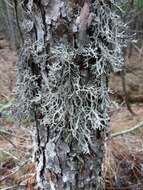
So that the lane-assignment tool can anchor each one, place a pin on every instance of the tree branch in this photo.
(127, 131)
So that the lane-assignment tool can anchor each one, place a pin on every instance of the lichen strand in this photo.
(64, 87)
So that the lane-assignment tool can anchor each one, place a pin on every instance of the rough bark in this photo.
(63, 88)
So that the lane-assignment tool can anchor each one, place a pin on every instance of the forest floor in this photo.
(124, 154)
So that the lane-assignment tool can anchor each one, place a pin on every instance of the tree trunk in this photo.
(70, 49)
(10, 25)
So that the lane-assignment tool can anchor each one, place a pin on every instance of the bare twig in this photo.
(7, 139)
(9, 4)
(7, 132)
(8, 153)
(15, 170)
(11, 187)
(140, 50)
(127, 131)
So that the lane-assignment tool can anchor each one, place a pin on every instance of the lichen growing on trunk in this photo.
(62, 86)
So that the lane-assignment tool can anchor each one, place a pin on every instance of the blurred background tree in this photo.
(10, 22)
